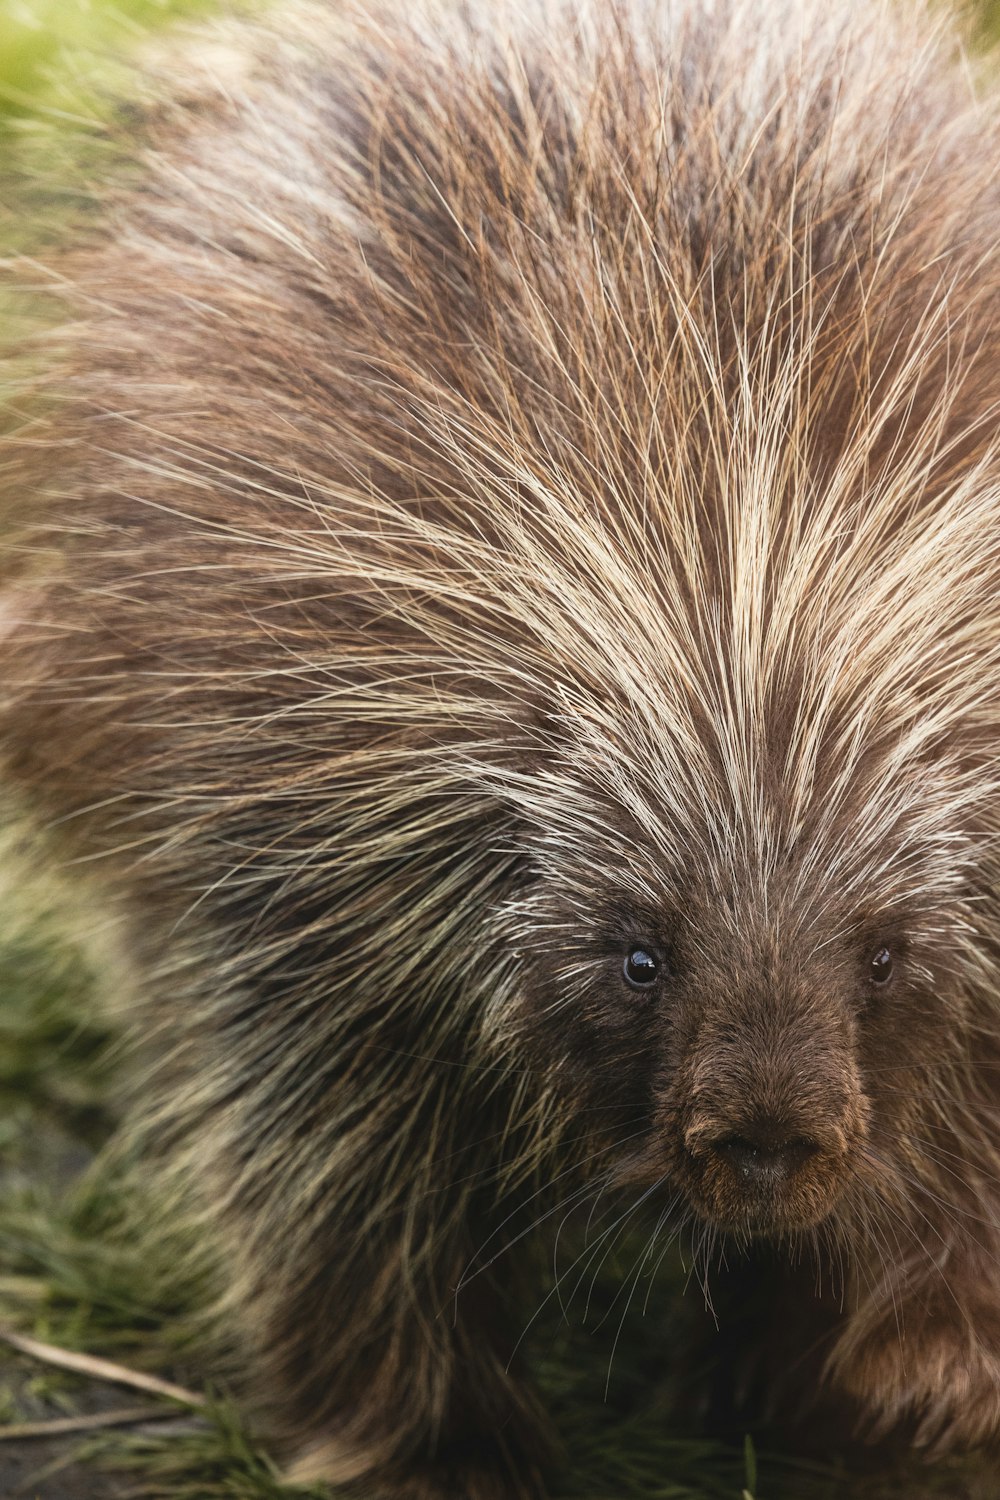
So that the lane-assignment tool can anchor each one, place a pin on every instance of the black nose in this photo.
(765, 1154)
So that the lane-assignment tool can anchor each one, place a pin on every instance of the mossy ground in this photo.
(86, 1263)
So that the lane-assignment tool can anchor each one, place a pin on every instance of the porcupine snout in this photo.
(774, 1110)
(765, 1153)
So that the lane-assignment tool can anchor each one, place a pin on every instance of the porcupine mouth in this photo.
(739, 1187)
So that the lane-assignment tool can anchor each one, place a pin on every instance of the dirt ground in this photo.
(44, 1468)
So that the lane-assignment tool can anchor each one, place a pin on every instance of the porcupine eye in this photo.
(881, 967)
(641, 969)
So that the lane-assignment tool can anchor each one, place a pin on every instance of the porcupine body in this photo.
(514, 625)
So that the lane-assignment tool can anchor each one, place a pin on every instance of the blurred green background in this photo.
(52, 51)
(77, 1267)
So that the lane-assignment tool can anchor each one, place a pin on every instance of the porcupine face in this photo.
(752, 1047)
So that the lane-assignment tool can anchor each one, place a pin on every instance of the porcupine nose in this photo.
(765, 1152)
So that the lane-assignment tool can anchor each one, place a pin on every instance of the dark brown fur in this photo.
(525, 488)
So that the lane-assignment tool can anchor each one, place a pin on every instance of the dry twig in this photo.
(99, 1369)
(60, 1426)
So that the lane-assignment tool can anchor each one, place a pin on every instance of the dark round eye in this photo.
(641, 968)
(881, 969)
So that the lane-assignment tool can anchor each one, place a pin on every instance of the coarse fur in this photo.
(523, 486)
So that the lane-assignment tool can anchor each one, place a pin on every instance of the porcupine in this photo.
(513, 623)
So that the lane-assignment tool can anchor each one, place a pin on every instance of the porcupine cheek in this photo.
(772, 1127)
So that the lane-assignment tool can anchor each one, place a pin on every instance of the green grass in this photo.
(88, 1258)
(56, 56)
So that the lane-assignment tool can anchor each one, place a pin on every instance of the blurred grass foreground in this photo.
(87, 1264)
